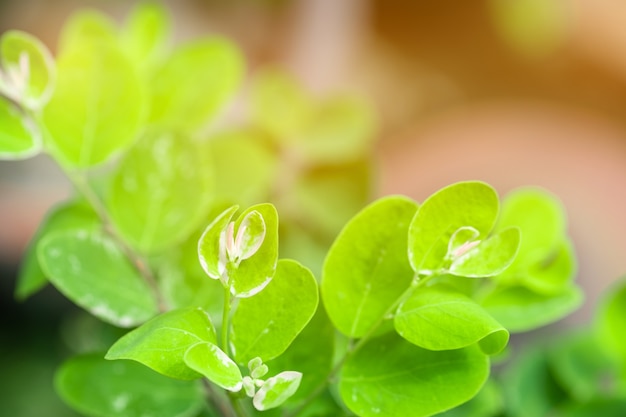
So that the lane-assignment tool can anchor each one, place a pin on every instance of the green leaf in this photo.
(311, 354)
(580, 366)
(279, 104)
(325, 198)
(245, 166)
(458, 208)
(195, 83)
(253, 273)
(99, 388)
(605, 407)
(19, 137)
(161, 191)
(490, 257)
(340, 129)
(72, 215)
(210, 242)
(366, 269)
(540, 218)
(162, 342)
(487, 403)
(520, 310)
(266, 324)
(93, 272)
(441, 318)
(389, 376)
(97, 107)
(145, 34)
(182, 279)
(87, 27)
(276, 390)
(28, 72)
(552, 272)
(610, 322)
(529, 387)
(210, 361)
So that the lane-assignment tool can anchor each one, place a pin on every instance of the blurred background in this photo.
(512, 92)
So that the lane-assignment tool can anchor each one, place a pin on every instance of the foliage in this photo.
(393, 309)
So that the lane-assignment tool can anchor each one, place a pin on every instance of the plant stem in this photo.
(81, 184)
(224, 407)
(225, 320)
(353, 349)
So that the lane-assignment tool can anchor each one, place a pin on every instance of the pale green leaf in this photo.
(266, 324)
(99, 388)
(391, 377)
(552, 272)
(520, 309)
(160, 193)
(72, 215)
(611, 320)
(97, 106)
(254, 273)
(279, 105)
(441, 318)
(462, 206)
(367, 269)
(245, 166)
(195, 83)
(488, 258)
(341, 129)
(28, 72)
(326, 197)
(19, 137)
(209, 243)
(276, 390)
(161, 343)
(540, 218)
(209, 360)
(145, 34)
(92, 271)
(311, 354)
(89, 27)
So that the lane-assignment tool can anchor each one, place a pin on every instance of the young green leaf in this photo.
(266, 324)
(99, 388)
(488, 258)
(487, 403)
(209, 244)
(72, 215)
(97, 106)
(366, 269)
(195, 83)
(19, 137)
(390, 377)
(92, 271)
(161, 191)
(28, 72)
(549, 273)
(276, 390)
(246, 276)
(520, 310)
(441, 318)
(210, 361)
(469, 204)
(162, 342)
